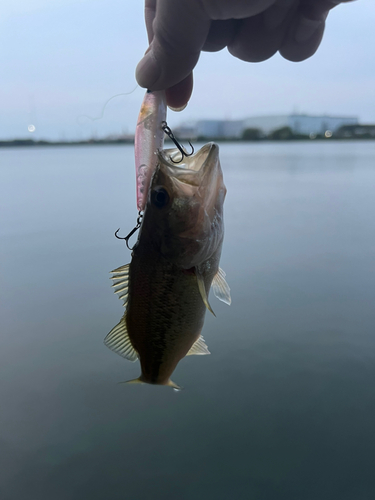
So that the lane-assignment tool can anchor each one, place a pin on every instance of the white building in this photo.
(210, 128)
(299, 123)
(219, 128)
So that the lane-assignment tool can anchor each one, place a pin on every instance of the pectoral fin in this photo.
(118, 341)
(202, 290)
(199, 347)
(220, 287)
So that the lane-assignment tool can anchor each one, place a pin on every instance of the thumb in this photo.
(180, 31)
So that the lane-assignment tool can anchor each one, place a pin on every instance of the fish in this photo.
(174, 264)
(148, 139)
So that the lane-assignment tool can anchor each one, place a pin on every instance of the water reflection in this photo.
(174, 262)
(284, 407)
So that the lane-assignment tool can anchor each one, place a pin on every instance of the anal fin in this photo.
(221, 288)
(199, 347)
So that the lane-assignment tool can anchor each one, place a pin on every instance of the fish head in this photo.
(184, 210)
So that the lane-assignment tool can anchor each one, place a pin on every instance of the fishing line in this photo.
(105, 105)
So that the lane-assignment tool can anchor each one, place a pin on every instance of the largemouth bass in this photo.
(174, 264)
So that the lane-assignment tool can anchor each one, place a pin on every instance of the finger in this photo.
(254, 42)
(234, 9)
(304, 36)
(220, 35)
(307, 29)
(275, 15)
(179, 95)
(316, 7)
(180, 30)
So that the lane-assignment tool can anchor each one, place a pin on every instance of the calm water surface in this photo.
(284, 408)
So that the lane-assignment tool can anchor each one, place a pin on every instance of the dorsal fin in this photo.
(121, 285)
(199, 347)
(118, 341)
(220, 287)
(202, 290)
(121, 270)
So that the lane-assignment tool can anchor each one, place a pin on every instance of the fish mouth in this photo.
(193, 169)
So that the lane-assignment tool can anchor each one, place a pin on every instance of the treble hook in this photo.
(126, 238)
(181, 149)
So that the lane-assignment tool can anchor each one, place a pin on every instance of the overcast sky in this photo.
(62, 59)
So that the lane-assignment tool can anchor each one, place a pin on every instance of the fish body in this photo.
(174, 263)
(165, 314)
(149, 138)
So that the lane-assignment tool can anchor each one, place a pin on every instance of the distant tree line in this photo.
(249, 134)
(287, 134)
(89, 142)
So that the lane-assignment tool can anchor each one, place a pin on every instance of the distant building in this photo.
(211, 129)
(299, 124)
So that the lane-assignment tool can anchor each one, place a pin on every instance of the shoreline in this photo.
(22, 143)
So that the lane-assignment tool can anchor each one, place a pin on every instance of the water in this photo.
(284, 408)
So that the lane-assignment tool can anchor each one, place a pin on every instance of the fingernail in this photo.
(178, 109)
(147, 72)
(306, 28)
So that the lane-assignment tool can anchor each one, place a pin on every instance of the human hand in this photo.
(252, 30)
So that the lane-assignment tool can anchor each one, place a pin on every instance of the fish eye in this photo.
(160, 197)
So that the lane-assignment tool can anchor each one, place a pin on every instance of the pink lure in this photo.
(149, 138)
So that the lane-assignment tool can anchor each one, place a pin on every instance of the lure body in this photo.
(149, 139)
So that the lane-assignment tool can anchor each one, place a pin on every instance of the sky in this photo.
(60, 61)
